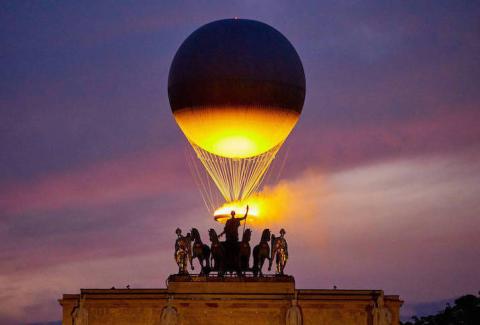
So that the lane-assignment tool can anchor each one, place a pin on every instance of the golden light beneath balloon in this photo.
(264, 208)
(236, 132)
(224, 212)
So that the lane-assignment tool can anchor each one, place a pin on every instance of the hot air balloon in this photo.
(236, 88)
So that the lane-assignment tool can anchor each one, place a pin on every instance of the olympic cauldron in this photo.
(236, 89)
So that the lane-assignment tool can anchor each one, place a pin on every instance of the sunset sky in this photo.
(378, 186)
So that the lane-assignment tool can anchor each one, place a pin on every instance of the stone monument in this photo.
(225, 295)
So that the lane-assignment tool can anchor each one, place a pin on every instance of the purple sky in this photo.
(381, 184)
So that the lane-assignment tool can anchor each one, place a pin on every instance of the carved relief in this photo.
(380, 314)
(80, 314)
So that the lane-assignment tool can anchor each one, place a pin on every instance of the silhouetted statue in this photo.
(183, 252)
(279, 252)
(218, 253)
(231, 244)
(245, 251)
(200, 251)
(231, 256)
(231, 227)
(261, 252)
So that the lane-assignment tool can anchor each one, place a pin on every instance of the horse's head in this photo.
(195, 234)
(213, 235)
(247, 235)
(265, 235)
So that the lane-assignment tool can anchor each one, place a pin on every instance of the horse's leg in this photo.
(255, 261)
(207, 256)
(201, 260)
(262, 260)
(214, 261)
(221, 268)
(220, 262)
(207, 260)
(243, 264)
(238, 262)
(239, 268)
(193, 256)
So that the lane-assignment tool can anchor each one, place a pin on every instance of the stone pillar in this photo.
(294, 313)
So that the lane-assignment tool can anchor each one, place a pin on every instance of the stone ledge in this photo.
(202, 301)
(249, 278)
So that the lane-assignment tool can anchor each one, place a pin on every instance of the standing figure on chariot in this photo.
(183, 251)
(280, 252)
(231, 227)
(231, 244)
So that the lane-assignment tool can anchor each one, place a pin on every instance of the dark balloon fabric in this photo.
(236, 62)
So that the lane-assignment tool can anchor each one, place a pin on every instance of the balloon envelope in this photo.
(236, 88)
(236, 132)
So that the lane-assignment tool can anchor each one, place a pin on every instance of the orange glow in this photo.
(260, 209)
(236, 132)
(279, 205)
(223, 213)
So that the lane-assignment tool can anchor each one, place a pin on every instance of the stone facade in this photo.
(199, 300)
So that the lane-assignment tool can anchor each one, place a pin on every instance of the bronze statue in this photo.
(231, 256)
(200, 251)
(183, 252)
(231, 244)
(231, 227)
(245, 251)
(280, 252)
(217, 252)
(261, 252)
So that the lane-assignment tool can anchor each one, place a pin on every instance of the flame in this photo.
(262, 208)
(240, 208)
(282, 204)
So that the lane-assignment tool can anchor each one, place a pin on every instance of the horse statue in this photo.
(183, 252)
(218, 253)
(200, 251)
(245, 251)
(279, 252)
(261, 252)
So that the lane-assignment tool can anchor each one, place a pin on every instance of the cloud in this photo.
(140, 175)
(28, 297)
(92, 210)
(333, 149)
(406, 226)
